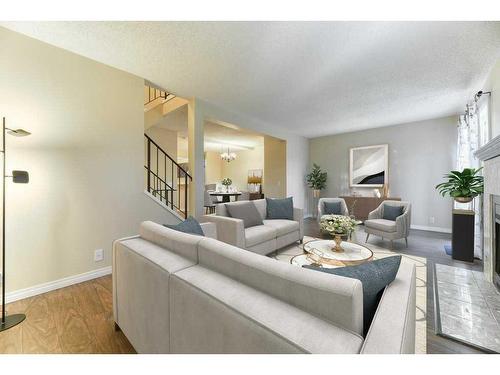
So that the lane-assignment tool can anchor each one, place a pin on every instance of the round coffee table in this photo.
(320, 253)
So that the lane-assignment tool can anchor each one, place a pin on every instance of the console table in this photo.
(364, 205)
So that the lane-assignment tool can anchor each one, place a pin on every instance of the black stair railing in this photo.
(165, 178)
(154, 94)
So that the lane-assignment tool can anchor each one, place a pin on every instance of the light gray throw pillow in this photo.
(245, 211)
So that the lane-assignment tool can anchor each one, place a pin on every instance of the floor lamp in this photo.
(19, 177)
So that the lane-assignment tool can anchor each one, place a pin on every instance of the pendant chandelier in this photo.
(228, 156)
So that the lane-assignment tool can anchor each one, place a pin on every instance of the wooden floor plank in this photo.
(75, 319)
(39, 333)
(105, 297)
(11, 341)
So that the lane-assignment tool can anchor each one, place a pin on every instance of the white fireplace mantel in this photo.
(490, 150)
(490, 155)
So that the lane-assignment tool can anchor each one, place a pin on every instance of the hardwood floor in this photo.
(429, 245)
(79, 318)
(75, 319)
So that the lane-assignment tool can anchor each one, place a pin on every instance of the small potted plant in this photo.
(337, 226)
(316, 180)
(226, 183)
(462, 186)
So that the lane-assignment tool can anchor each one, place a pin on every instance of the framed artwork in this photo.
(369, 166)
(254, 180)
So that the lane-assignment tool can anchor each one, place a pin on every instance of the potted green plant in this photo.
(226, 183)
(462, 186)
(316, 180)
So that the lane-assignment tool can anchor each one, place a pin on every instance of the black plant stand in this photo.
(462, 245)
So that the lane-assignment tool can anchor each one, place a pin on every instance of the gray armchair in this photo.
(392, 230)
(321, 209)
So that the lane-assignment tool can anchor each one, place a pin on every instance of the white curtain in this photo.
(473, 132)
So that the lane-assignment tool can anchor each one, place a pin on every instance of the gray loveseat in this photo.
(261, 239)
(180, 293)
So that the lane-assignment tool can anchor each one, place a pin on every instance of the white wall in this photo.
(166, 139)
(213, 168)
(237, 170)
(419, 154)
(275, 154)
(85, 159)
(493, 84)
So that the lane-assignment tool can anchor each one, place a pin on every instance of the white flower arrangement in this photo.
(337, 224)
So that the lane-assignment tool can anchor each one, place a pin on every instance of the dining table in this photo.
(226, 196)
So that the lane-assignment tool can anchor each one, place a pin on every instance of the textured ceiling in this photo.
(313, 78)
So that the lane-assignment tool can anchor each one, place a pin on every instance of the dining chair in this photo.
(209, 203)
(245, 196)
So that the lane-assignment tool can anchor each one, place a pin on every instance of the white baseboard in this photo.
(431, 229)
(56, 284)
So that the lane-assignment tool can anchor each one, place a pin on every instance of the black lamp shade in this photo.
(20, 177)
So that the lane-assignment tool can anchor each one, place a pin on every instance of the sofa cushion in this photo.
(381, 224)
(279, 208)
(282, 226)
(392, 212)
(374, 276)
(211, 313)
(332, 208)
(245, 211)
(258, 234)
(339, 302)
(190, 225)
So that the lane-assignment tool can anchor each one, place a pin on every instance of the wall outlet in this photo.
(432, 220)
(98, 255)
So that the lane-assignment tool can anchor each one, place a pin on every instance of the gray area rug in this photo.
(467, 307)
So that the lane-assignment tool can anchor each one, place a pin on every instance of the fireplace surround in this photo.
(490, 155)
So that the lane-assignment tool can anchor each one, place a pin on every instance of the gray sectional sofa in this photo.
(262, 239)
(180, 293)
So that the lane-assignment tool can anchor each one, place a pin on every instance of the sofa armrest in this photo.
(209, 230)
(298, 215)
(113, 273)
(376, 213)
(229, 229)
(403, 224)
(320, 210)
(395, 314)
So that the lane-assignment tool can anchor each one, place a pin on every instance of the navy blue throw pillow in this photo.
(332, 208)
(279, 208)
(190, 225)
(392, 212)
(374, 276)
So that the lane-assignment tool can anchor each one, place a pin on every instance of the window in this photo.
(484, 121)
